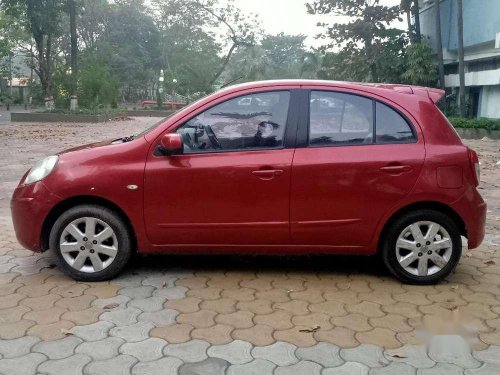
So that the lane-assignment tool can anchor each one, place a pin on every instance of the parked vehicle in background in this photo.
(274, 167)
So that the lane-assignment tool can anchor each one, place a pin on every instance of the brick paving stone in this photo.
(34, 303)
(258, 306)
(25, 365)
(327, 355)
(121, 317)
(132, 333)
(300, 368)
(52, 331)
(294, 307)
(12, 314)
(176, 292)
(48, 316)
(313, 320)
(15, 330)
(103, 290)
(241, 294)
(175, 334)
(194, 282)
(408, 310)
(82, 317)
(58, 349)
(93, 332)
(160, 281)
(184, 305)
(199, 319)
(208, 294)
(452, 349)
(333, 308)
(239, 319)
(414, 355)
(394, 369)
(256, 367)
(68, 366)
(348, 368)
(163, 366)
(278, 319)
(121, 301)
(381, 297)
(356, 322)
(76, 303)
(368, 309)
(236, 352)
(148, 350)
(273, 295)
(492, 338)
(367, 354)
(150, 304)
(68, 291)
(490, 355)
(379, 336)
(191, 351)
(160, 318)
(259, 334)
(217, 334)
(210, 366)
(441, 369)
(280, 353)
(221, 306)
(485, 369)
(341, 336)
(36, 290)
(143, 291)
(17, 347)
(100, 350)
(119, 365)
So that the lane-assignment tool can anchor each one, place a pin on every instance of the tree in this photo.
(74, 54)
(406, 6)
(416, 15)
(439, 44)
(365, 32)
(461, 65)
(41, 18)
(420, 68)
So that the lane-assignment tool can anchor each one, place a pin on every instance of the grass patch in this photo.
(93, 111)
(473, 123)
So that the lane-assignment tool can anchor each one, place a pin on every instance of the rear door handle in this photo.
(267, 174)
(396, 169)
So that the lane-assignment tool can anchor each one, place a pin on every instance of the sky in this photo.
(290, 17)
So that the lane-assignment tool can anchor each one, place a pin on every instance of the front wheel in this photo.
(422, 247)
(91, 243)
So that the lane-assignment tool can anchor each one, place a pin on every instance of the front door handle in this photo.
(267, 174)
(396, 169)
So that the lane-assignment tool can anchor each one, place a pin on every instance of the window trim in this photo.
(304, 142)
(291, 124)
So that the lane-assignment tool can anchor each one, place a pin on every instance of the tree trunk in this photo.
(461, 57)
(74, 55)
(439, 45)
(416, 14)
(410, 27)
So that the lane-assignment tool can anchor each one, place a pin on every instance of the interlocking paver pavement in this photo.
(239, 315)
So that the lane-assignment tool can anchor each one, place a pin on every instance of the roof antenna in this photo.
(228, 83)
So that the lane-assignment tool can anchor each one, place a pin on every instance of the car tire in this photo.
(413, 229)
(101, 228)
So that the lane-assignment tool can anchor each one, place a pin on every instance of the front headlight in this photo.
(41, 169)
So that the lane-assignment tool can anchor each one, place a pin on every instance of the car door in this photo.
(231, 185)
(356, 158)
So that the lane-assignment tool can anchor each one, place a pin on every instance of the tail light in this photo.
(475, 164)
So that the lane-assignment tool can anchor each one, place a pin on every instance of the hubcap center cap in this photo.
(88, 245)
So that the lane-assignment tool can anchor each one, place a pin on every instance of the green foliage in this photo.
(460, 122)
(366, 36)
(98, 88)
(420, 67)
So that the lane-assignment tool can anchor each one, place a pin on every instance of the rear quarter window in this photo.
(391, 127)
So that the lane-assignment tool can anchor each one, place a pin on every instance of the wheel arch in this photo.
(68, 203)
(430, 205)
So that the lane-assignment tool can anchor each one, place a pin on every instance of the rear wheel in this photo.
(422, 247)
(91, 243)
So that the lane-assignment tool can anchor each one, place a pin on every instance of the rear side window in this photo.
(337, 118)
(391, 126)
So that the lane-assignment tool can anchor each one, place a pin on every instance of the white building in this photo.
(481, 46)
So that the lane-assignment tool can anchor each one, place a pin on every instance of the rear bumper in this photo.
(30, 205)
(472, 209)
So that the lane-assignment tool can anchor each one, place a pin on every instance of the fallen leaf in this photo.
(468, 255)
(310, 330)
(490, 262)
(66, 332)
(454, 287)
(111, 306)
(164, 284)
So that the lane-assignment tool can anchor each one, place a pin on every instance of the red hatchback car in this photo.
(281, 167)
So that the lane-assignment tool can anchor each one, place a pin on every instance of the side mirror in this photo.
(171, 144)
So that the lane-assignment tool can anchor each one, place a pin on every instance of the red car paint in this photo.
(292, 200)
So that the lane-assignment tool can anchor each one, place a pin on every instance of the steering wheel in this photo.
(213, 138)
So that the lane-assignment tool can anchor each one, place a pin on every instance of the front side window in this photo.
(391, 126)
(337, 118)
(255, 121)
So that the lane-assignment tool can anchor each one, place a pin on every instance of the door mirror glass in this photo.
(171, 144)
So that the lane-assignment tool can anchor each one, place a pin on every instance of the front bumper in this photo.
(30, 205)
(472, 209)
